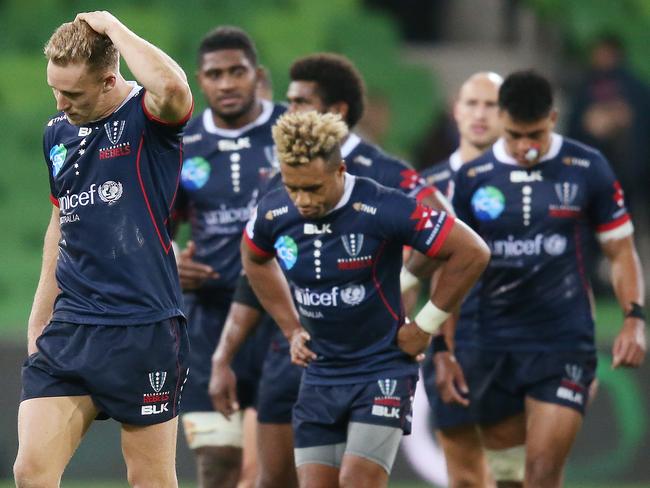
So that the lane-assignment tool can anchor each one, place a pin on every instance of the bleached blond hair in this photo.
(76, 42)
(304, 136)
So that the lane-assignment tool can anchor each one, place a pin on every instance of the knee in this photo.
(32, 474)
(543, 472)
(360, 479)
(146, 478)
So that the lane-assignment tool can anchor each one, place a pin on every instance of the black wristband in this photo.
(635, 311)
(439, 344)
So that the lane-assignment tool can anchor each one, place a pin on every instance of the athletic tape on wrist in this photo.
(439, 344)
(407, 280)
(430, 318)
(636, 311)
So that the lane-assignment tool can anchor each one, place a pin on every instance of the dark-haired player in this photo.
(535, 197)
(228, 158)
(324, 82)
(106, 335)
(347, 326)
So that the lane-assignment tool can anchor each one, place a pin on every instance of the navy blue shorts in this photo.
(500, 381)
(134, 374)
(279, 384)
(322, 413)
(206, 318)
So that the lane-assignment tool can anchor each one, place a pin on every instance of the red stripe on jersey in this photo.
(442, 236)
(178, 181)
(613, 224)
(151, 116)
(425, 192)
(54, 201)
(378, 284)
(177, 343)
(255, 248)
(166, 246)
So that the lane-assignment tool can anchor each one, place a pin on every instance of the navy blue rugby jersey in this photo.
(343, 270)
(365, 159)
(223, 174)
(114, 181)
(441, 175)
(535, 293)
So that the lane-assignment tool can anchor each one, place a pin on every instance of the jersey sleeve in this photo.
(258, 234)
(50, 173)
(414, 224)
(245, 295)
(606, 208)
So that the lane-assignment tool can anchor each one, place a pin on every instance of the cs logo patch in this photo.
(287, 251)
(57, 156)
(488, 203)
(195, 173)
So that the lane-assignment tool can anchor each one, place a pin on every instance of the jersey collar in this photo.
(455, 161)
(350, 143)
(263, 118)
(348, 186)
(135, 89)
(502, 156)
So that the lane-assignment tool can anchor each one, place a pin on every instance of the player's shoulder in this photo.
(579, 155)
(368, 155)
(274, 204)
(480, 167)
(440, 171)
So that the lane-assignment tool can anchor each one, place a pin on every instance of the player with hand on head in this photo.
(103, 341)
(355, 397)
(535, 198)
(228, 159)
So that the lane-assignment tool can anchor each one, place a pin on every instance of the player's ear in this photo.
(109, 82)
(340, 108)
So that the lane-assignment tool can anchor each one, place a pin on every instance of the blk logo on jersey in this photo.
(488, 203)
(84, 131)
(157, 380)
(57, 157)
(195, 173)
(287, 250)
(315, 229)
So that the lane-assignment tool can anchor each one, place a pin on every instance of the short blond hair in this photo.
(76, 42)
(304, 136)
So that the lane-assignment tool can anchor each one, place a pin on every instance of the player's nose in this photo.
(62, 103)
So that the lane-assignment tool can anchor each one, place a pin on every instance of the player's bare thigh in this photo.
(150, 454)
(275, 456)
(49, 431)
(464, 455)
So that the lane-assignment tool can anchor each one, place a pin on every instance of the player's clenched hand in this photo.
(99, 21)
(300, 353)
(193, 274)
(223, 389)
(450, 379)
(412, 340)
(630, 344)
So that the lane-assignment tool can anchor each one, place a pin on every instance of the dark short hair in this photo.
(526, 95)
(338, 80)
(228, 37)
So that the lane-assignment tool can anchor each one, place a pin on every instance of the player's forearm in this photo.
(273, 293)
(626, 272)
(241, 322)
(47, 289)
(154, 69)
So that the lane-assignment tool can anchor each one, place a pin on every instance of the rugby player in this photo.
(106, 334)
(535, 198)
(327, 83)
(228, 158)
(348, 329)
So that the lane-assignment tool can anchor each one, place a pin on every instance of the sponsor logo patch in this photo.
(287, 251)
(110, 191)
(488, 203)
(57, 157)
(195, 173)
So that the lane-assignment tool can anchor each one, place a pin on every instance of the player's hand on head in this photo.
(223, 389)
(99, 21)
(300, 353)
(450, 380)
(630, 345)
(193, 274)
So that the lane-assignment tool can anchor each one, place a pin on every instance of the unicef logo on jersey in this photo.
(287, 251)
(555, 244)
(353, 294)
(488, 203)
(195, 173)
(57, 157)
(110, 191)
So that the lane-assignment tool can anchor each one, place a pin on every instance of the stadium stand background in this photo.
(410, 86)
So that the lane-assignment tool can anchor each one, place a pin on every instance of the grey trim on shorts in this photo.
(377, 443)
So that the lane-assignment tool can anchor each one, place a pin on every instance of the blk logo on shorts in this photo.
(157, 380)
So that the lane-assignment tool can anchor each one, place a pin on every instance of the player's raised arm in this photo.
(272, 289)
(168, 94)
(464, 256)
